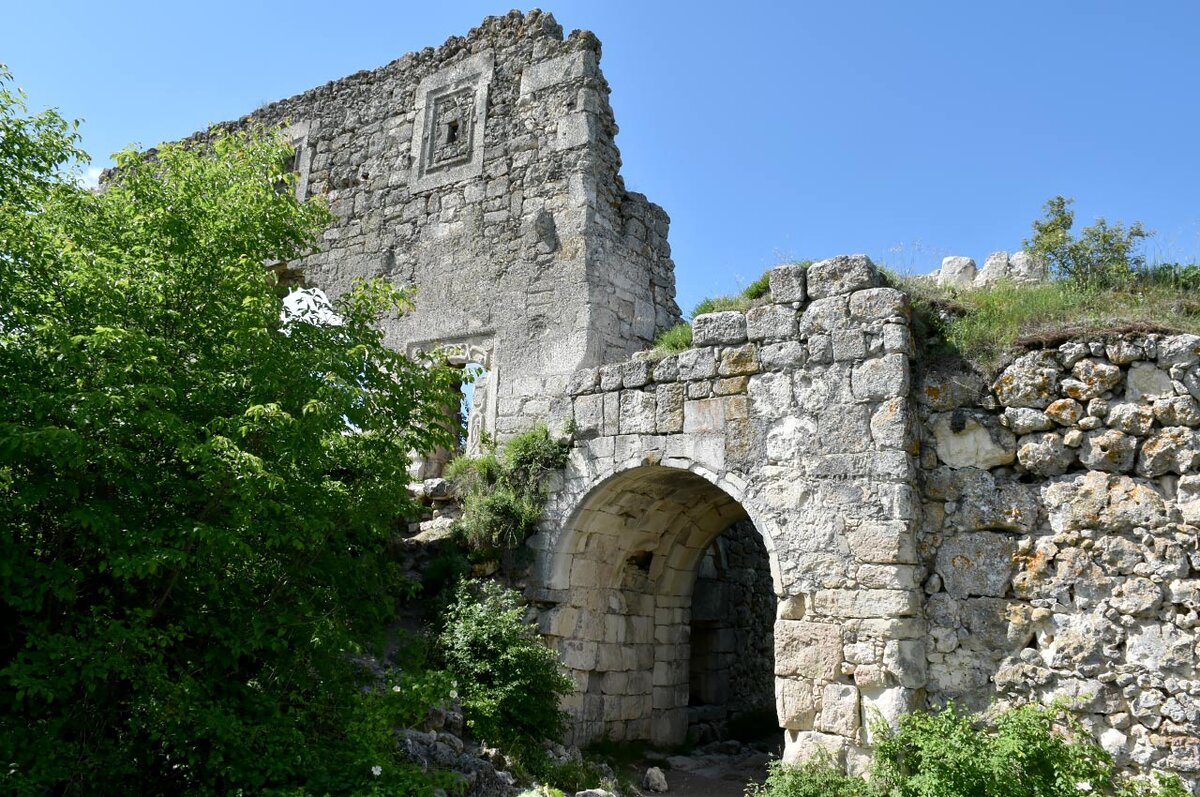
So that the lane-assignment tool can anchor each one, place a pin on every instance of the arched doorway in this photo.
(626, 565)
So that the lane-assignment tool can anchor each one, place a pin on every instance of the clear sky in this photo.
(769, 131)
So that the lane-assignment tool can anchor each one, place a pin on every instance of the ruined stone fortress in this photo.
(925, 534)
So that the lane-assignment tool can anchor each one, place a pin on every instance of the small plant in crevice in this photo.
(510, 683)
(503, 491)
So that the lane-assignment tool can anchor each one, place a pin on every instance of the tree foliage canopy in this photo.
(196, 489)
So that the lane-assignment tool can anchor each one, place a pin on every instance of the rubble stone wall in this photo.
(485, 173)
(1058, 536)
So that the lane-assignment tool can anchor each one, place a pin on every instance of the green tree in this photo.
(1103, 256)
(197, 488)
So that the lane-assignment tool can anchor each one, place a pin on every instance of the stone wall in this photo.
(794, 415)
(485, 173)
(1058, 535)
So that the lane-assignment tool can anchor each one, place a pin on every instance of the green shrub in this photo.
(1102, 256)
(503, 492)
(717, 304)
(759, 288)
(1030, 751)
(677, 338)
(817, 777)
(509, 681)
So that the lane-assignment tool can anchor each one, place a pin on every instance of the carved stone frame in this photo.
(297, 135)
(471, 77)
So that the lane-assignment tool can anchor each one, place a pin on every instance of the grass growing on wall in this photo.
(503, 491)
(984, 324)
(679, 337)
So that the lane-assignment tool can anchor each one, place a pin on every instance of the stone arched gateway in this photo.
(794, 415)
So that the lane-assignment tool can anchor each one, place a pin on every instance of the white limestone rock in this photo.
(1031, 381)
(971, 441)
(839, 275)
(713, 329)
(957, 271)
(1045, 454)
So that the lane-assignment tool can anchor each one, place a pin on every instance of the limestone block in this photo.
(638, 412)
(995, 268)
(881, 378)
(1064, 412)
(1108, 450)
(669, 417)
(1031, 381)
(890, 425)
(726, 327)
(808, 650)
(584, 381)
(787, 283)
(839, 710)
(1181, 350)
(704, 416)
(795, 704)
(666, 369)
(976, 564)
(555, 71)
(589, 415)
(839, 275)
(879, 304)
(610, 377)
(887, 704)
(1023, 420)
(1158, 646)
(770, 322)
(1177, 411)
(1024, 267)
(1130, 418)
(971, 440)
(898, 339)
(1136, 596)
(1091, 378)
(848, 344)
(733, 386)
(1044, 454)
(739, 360)
(872, 576)
(882, 542)
(1102, 501)
(786, 355)
(770, 395)
(850, 603)
(800, 746)
(575, 130)
(635, 373)
(697, 364)
(654, 780)
(956, 271)
(905, 658)
(824, 315)
(1175, 449)
(1145, 382)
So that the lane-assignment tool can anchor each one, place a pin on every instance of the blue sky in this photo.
(769, 131)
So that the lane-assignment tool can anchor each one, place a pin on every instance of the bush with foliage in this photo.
(1102, 256)
(509, 681)
(677, 338)
(503, 492)
(1030, 751)
(197, 490)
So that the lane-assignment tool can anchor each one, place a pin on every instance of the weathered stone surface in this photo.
(738, 361)
(1092, 378)
(808, 650)
(1045, 454)
(795, 704)
(976, 564)
(770, 322)
(839, 275)
(697, 363)
(1023, 420)
(879, 304)
(1108, 450)
(881, 378)
(1130, 418)
(787, 283)
(971, 441)
(1031, 381)
(995, 268)
(839, 710)
(1064, 412)
(956, 271)
(714, 329)
(1102, 501)
(1177, 411)
(1175, 449)
(1147, 382)
(1024, 267)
